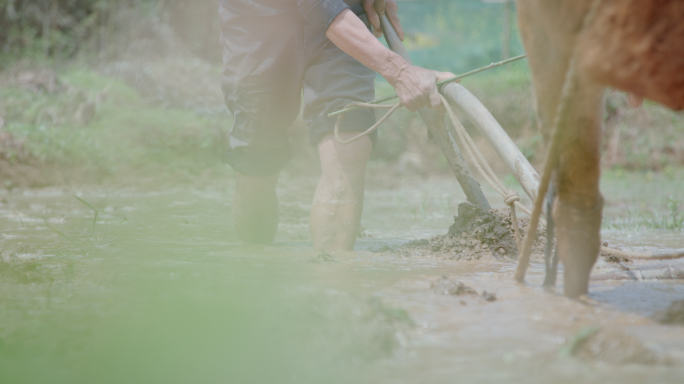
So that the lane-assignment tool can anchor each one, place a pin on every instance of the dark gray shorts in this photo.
(269, 57)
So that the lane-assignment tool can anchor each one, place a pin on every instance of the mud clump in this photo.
(476, 235)
(674, 314)
(610, 258)
(616, 348)
(488, 296)
(492, 228)
(322, 257)
(447, 286)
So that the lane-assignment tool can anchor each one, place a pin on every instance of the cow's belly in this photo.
(637, 46)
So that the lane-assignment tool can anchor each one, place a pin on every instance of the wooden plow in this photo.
(459, 97)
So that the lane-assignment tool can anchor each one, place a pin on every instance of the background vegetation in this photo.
(96, 91)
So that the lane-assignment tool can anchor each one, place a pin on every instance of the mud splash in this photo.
(476, 235)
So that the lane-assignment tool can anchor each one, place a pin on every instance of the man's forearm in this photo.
(415, 86)
(350, 34)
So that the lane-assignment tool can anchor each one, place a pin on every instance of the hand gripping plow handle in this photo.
(435, 122)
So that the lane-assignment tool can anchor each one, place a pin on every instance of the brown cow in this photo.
(633, 45)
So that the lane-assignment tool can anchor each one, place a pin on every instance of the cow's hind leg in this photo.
(579, 203)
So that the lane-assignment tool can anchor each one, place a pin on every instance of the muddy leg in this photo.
(578, 245)
(578, 207)
(550, 46)
(338, 202)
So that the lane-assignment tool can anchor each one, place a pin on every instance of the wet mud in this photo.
(448, 286)
(674, 314)
(608, 257)
(165, 282)
(615, 347)
(322, 257)
(670, 271)
(476, 235)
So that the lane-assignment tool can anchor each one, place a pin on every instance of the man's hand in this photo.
(391, 9)
(417, 88)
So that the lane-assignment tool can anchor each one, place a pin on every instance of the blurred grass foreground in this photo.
(96, 91)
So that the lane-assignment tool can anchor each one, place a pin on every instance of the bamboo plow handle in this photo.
(391, 35)
(435, 122)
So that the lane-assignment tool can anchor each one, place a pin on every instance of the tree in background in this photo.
(59, 29)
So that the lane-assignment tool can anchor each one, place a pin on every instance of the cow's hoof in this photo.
(578, 233)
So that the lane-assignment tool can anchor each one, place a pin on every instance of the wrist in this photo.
(393, 66)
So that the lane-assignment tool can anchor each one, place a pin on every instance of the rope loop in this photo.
(511, 198)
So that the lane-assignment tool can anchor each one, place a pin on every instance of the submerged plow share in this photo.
(455, 95)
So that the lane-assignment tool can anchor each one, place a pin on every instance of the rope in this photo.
(551, 161)
(510, 197)
(510, 200)
(392, 109)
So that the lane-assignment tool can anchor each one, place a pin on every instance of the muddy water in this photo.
(162, 293)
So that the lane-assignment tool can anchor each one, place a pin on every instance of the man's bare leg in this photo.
(255, 208)
(338, 202)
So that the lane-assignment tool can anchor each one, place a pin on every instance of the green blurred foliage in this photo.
(457, 35)
(48, 27)
(447, 35)
(122, 136)
(59, 29)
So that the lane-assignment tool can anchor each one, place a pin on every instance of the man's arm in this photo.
(415, 86)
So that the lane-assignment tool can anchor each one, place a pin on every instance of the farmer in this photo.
(272, 49)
